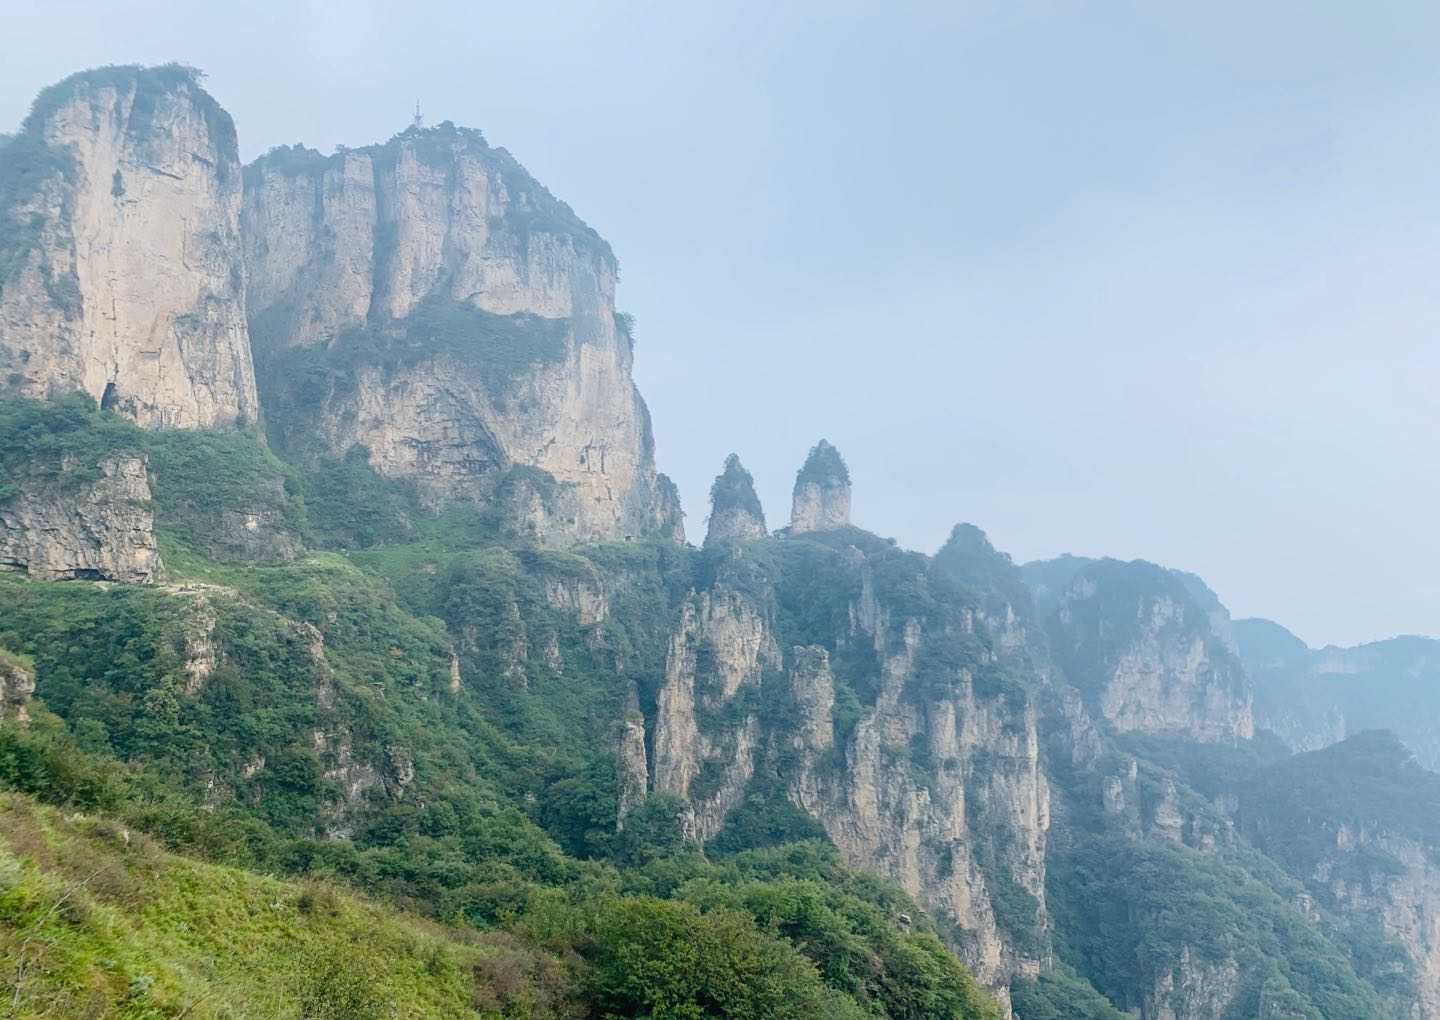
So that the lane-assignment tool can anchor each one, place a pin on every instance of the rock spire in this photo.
(735, 512)
(822, 492)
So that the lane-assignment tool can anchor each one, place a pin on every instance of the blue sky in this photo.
(1140, 279)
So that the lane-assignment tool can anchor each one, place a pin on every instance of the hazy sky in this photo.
(1140, 279)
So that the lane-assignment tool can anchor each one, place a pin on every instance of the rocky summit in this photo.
(121, 262)
(334, 557)
(821, 500)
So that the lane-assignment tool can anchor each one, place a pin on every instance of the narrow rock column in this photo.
(822, 492)
(735, 511)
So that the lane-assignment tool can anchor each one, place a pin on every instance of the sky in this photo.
(1149, 280)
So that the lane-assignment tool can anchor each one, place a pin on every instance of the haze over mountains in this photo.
(337, 550)
(1220, 238)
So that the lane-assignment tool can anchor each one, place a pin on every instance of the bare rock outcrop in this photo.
(84, 521)
(935, 781)
(735, 511)
(821, 500)
(121, 269)
(1402, 898)
(428, 301)
(718, 655)
(17, 684)
(1195, 988)
(1148, 655)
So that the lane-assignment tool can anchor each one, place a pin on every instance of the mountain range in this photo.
(347, 625)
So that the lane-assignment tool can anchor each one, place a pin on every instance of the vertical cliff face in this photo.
(1150, 651)
(821, 500)
(707, 725)
(875, 704)
(121, 271)
(969, 840)
(82, 519)
(427, 300)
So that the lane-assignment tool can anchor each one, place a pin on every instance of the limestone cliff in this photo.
(876, 706)
(81, 519)
(428, 301)
(735, 512)
(821, 500)
(1147, 651)
(121, 270)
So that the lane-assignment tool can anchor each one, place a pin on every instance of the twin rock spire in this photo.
(821, 499)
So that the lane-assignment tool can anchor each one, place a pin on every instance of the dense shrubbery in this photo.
(783, 933)
(1128, 909)
(38, 437)
(1061, 994)
(823, 464)
(114, 664)
(1370, 782)
(493, 805)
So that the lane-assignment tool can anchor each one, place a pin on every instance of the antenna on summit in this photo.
(419, 121)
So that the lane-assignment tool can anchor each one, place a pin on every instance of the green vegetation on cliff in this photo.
(430, 721)
(734, 489)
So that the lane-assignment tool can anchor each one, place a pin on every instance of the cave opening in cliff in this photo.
(109, 398)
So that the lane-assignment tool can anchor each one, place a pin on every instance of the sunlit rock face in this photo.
(430, 302)
(121, 269)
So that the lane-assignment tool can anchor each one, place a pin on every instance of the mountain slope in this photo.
(1313, 698)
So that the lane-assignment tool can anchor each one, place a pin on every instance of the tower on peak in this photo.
(418, 121)
(822, 492)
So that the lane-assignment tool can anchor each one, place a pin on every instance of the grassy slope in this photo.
(95, 921)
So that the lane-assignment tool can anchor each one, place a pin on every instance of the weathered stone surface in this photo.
(1148, 656)
(82, 522)
(633, 766)
(735, 512)
(987, 789)
(582, 596)
(256, 532)
(468, 323)
(987, 799)
(821, 500)
(17, 684)
(1196, 988)
(122, 272)
(719, 650)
